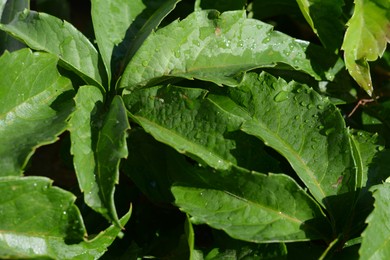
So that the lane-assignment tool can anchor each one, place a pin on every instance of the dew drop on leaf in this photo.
(145, 63)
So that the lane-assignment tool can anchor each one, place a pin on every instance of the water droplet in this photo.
(320, 107)
(296, 117)
(145, 63)
(266, 39)
(320, 127)
(64, 212)
(240, 43)
(380, 148)
(303, 103)
(35, 184)
(310, 106)
(281, 96)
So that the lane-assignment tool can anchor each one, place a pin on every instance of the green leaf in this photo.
(219, 48)
(366, 38)
(312, 136)
(38, 221)
(35, 103)
(186, 120)
(44, 32)
(250, 206)
(98, 144)
(317, 14)
(84, 128)
(8, 9)
(376, 237)
(109, 150)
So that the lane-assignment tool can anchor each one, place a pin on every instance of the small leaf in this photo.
(44, 32)
(219, 48)
(110, 149)
(35, 103)
(250, 206)
(376, 237)
(41, 221)
(8, 9)
(366, 38)
(317, 13)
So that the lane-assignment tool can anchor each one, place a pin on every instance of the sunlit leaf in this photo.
(35, 102)
(219, 48)
(366, 38)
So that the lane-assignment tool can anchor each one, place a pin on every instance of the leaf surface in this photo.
(52, 227)
(312, 136)
(317, 13)
(376, 237)
(366, 38)
(44, 32)
(250, 206)
(35, 103)
(219, 48)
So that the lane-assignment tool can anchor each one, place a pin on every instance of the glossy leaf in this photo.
(219, 48)
(53, 227)
(376, 237)
(250, 206)
(109, 150)
(43, 32)
(366, 38)
(312, 136)
(317, 14)
(8, 9)
(35, 102)
(191, 123)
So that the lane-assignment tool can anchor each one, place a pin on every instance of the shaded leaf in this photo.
(8, 9)
(53, 227)
(376, 237)
(312, 136)
(317, 13)
(221, 5)
(268, 8)
(219, 48)
(366, 38)
(35, 103)
(84, 128)
(191, 123)
(109, 150)
(44, 32)
(250, 206)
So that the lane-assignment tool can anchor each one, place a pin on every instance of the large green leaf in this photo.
(44, 32)
(41, 221)
(317, 14)
(366, 38)
(35, 102)
(376, 237)
(8, 9)
(250, 206)
(312, 136)
(219, 48)
(194, 125)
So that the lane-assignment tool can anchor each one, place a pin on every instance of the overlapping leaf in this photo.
(219, 48)
(98, 144)
(376, 237)
(366, 38)
(312, 136)
(47, 33)
(192, 124)
(38, 221)
(250, 206)
(317, 13)
(35, 102)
